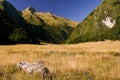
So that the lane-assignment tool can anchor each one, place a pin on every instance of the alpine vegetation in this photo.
(31, 26)
(101, 24)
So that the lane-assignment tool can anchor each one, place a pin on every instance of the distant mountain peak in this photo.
(49, 13)
(31, 9)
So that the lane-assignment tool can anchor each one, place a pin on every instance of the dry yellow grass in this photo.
(83, 61)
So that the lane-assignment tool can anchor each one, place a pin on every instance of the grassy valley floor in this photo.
(83, 61)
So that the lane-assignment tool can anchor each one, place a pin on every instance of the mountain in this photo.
(31, 26)
(47, 18)
(56, 29)
(11, 24)
(31, 18)
(101, 24)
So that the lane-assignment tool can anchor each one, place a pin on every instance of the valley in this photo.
(83, 61)
(87, 50)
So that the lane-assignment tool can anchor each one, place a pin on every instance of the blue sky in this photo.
(72, 9)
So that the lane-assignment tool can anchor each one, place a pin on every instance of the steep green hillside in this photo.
(31, 26)
(56, 29)
(53, 20)
(10, 31)
(103, 23)
(30, 17)
(13, 28)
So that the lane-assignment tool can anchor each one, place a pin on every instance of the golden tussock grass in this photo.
(83, 61)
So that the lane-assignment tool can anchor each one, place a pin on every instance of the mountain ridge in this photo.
(32, 26)
(48, 16)
(101, 24)
(28, 27)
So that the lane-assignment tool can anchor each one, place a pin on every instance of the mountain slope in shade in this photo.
(103, 23)
(29, 27)
(11, 25)
(56, 29)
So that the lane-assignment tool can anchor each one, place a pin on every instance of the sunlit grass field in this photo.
(83, 61)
